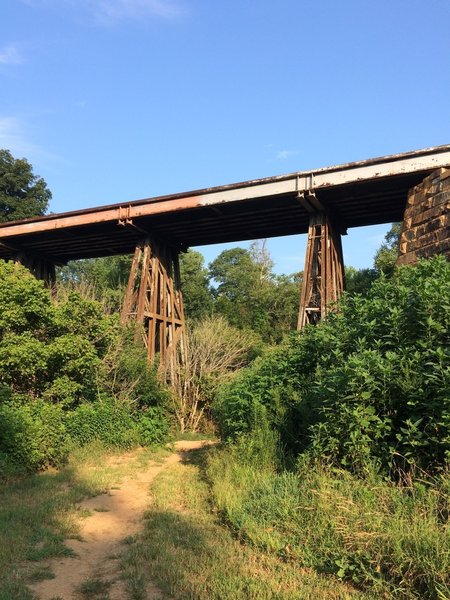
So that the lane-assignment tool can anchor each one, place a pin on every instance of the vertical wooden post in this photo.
(154, 301)
(323, 277)
(40, 267)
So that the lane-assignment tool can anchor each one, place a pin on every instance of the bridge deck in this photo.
(360, 193)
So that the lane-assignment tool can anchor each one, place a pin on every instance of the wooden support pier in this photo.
(40, 267)
(154, 302)
(323, 276)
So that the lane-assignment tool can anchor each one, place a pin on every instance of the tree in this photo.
(358, 281)
(250, 296)
(104, 278)
(387, 255)
(22, 194)
(240, 293)
(197, 294)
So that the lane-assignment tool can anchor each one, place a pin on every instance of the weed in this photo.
(92, 588)
(40, 574)
(382, 537)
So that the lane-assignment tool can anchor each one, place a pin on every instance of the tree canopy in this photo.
(198, 300)
(22, 193)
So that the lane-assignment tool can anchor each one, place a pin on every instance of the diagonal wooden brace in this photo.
(323, 277)
(153, 300)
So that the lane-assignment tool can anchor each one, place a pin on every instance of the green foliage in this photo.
(387, 254)
(64, 356)
(76, 314)
(116, 424)
(25, 303)
(368, 386)
(33, 435)
(23, 362)
(22, 194)
(389, 539)
(152, 425)
(130, 376)
(107, 421)
(105, 277)
(358, 281)
(250, 296)
(197, 293)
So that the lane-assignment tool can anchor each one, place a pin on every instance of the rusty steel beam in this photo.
(273, 187)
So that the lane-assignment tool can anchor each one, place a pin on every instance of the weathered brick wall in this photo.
(427, 219)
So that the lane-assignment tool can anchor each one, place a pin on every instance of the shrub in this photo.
(214, 351)
(33, 435)
(128, 374)
(107, 421)
(116, 424)
(152, 426)
(62, 355)
(24, 301)
(367, 386)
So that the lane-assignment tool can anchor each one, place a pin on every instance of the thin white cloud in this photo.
(111, 12)
(9, 55)
(284, 154)
(14, 137)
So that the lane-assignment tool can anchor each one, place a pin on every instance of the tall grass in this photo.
(190, 555)
(389, 539)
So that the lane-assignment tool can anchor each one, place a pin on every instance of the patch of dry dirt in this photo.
(114, 517)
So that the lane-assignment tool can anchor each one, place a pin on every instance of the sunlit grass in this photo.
(38, 513)
(390, 539)
(189, 554)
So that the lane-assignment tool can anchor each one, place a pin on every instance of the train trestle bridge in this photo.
(412, 187)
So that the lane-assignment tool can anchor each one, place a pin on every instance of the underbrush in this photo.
(366, 388)
(393, 540)
(69, 374)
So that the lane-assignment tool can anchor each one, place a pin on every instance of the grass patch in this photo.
(95, 587)
(41, 574)
(193, 436)
(392, 540)
(189, 554)
(38, 513)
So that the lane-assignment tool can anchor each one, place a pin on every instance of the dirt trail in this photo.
(102, 534)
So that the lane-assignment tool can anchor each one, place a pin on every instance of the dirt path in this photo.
(114, 516)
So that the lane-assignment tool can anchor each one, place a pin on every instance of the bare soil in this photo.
(114, 516)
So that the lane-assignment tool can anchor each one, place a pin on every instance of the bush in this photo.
(63, 355)
(152, 426)
(107, 421)
(32, 435)
(367, 386)
(24, 301)
(116, 424)
(214, 350)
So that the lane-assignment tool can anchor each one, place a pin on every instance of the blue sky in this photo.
(114, 100)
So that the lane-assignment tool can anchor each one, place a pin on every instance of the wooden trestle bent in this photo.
(323, 276)
(154, 302)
